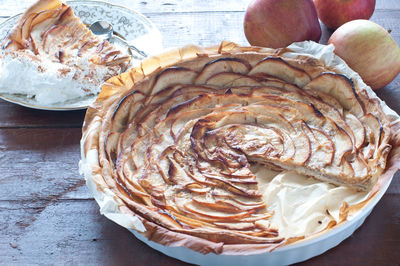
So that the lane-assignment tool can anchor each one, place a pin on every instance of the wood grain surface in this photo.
(47, 215)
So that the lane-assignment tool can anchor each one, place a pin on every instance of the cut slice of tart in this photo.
(52, 56)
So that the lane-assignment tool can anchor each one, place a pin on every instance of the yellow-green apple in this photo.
(334, 13)
(369, 50)
(278, 23)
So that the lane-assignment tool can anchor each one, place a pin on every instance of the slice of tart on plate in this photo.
(52, 57)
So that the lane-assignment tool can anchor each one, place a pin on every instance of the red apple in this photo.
(369, 50)
(334, 13)
(278, 23)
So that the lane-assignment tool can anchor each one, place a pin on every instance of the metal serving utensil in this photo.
(105, 30)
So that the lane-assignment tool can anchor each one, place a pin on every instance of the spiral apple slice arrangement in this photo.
(177, 145)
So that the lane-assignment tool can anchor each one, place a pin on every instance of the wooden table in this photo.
(47, 215)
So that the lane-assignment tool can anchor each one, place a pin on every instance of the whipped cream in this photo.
(46, 81)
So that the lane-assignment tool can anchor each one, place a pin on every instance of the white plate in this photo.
(129, 24)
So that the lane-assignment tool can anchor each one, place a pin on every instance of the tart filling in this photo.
(52, 56)
(235, 146)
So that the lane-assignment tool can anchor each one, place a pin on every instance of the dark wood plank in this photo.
(40, 165)
(69, 233)
(15, 116)
(72, 232)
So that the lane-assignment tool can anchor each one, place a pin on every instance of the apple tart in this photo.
(189, 144)
(52, 56)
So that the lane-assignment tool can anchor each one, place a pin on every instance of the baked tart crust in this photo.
(173, 142)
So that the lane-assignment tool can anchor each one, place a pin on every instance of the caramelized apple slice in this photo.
(357, 128)
(327, 99)
(229, 79)
(227, 205)
(129, 104)
(172, 76)
(370, 146)
(277, 67)
(233, 65)
(341, 88)
(322, 148)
